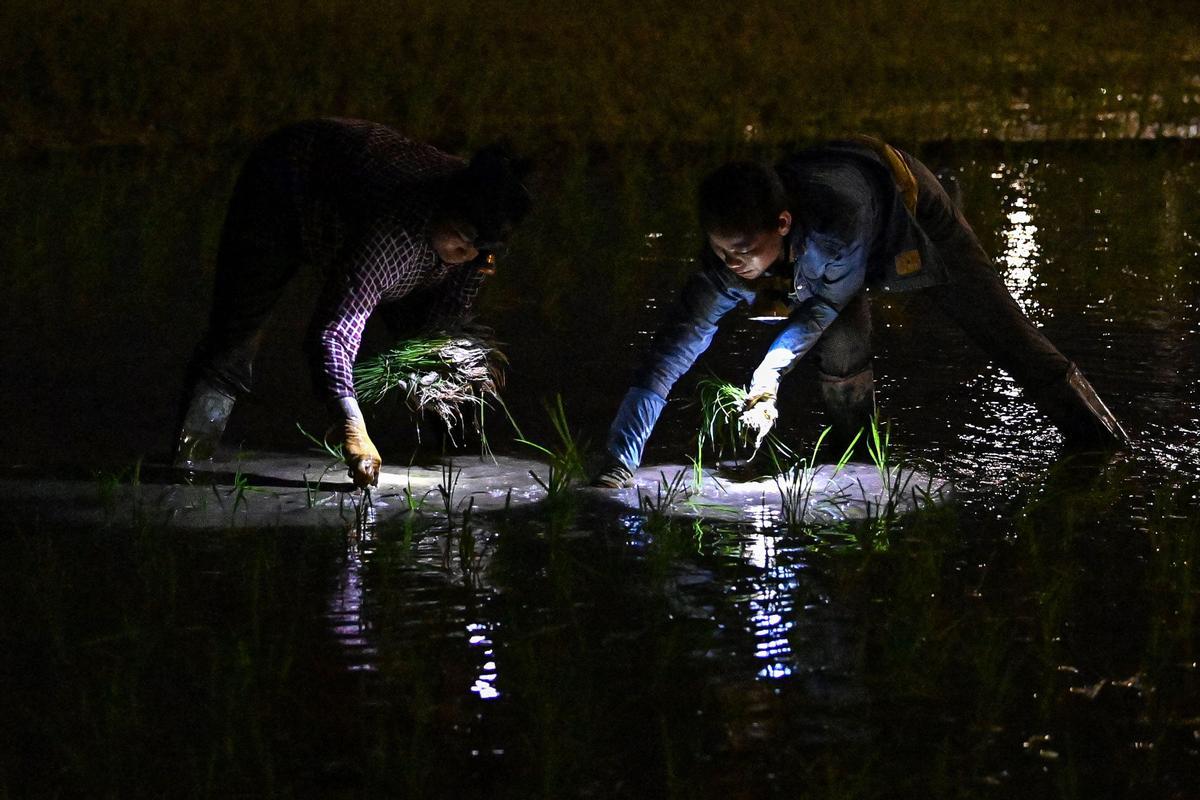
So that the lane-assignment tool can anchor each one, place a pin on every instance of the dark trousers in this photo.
(259, 253)
(975, 298)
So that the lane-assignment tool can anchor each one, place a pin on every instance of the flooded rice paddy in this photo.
(1036, 637)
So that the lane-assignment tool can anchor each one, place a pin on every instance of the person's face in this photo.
(454, 242)
(750, 254)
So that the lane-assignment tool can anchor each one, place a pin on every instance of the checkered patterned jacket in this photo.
(356, 198)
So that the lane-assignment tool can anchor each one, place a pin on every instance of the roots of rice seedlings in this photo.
(721, 407)
(440, 374)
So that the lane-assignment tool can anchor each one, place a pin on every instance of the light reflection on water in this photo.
(769, 607)
(1119, 291)
(485, 682)
(355, 597)
(348, 623)
(1021, 251)
(772, 622)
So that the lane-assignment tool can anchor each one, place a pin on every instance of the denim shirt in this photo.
(836, 221)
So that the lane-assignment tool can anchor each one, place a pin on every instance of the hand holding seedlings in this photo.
(758, 416)
(861, 227)
(362, 458)
(431, 226)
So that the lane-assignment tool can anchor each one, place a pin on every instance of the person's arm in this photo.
(350, 295)
(705, 299)
(842, 269)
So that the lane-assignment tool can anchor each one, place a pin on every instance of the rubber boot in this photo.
(1079, 413)
(203, 423)
(850, 403)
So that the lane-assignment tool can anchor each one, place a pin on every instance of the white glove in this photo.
(758, 417)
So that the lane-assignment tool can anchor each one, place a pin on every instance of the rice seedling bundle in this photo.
(721, 405)
(441, 374)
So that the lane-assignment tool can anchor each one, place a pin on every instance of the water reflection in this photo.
(1022, 253)
(378, 572)
(651, 313)
(953, 637)
(770, 607)
(345, 611)
(480, 636)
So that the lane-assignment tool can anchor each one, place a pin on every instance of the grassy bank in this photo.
(166, 72)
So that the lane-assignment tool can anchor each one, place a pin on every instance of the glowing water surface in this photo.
(1039, 633)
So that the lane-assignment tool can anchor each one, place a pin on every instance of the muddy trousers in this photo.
(847, 379)
(977, 300)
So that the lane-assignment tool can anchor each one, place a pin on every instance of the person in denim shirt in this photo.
(799, 242)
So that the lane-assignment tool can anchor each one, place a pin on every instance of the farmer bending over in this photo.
(385, 219)
(799, 243)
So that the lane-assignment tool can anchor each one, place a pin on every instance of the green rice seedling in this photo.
(879, 447)
(240, 488)
(411, 501)
(566, 461)
(896, 479)
(361, 520)
(335, 451)
(707, 536)
(403, 528)
(696, 487)
(721, 406)
(408, 532)
(310, 491)
(892, 474)
(555, 484)
(698, 467)
(440, 374)
(666, 493)
(312, 488)
(470, 556)
(797, 481)
(795, 484)
(108, 486)
(337, 455)
(668, 539)
(838, 537)
(446, 489)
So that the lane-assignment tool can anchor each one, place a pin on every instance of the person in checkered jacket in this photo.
(393, 225)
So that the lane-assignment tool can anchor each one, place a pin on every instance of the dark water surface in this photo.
(1038, 638)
